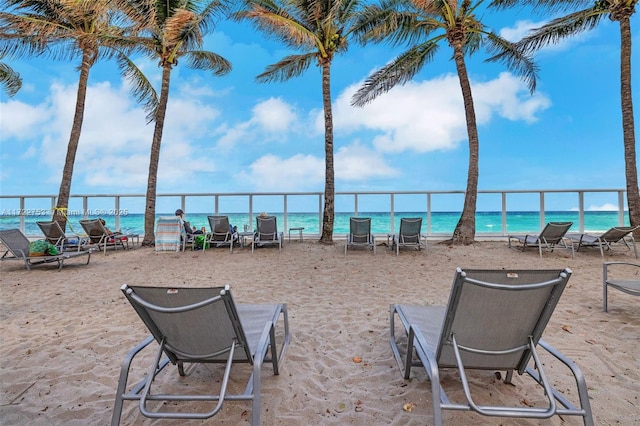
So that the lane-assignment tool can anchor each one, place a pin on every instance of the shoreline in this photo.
(66, 333)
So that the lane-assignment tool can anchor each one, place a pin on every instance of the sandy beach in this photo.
(64, 334)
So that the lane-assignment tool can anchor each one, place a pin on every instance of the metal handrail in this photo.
(428, 195)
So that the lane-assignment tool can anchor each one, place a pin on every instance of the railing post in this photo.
(504, 214)
(117, 203)
(285, 212)
(22, 211)
(542, 210)
(621, 208)
(251, 212)
(355, 205)
(428, 213)
(581, 211)
(391, 224)
(320, 212)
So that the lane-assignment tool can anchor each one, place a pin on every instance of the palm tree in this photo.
(63, 29)
(424, 25)
(584, 20)
(9, 79)
(174, 29)
(320, 29)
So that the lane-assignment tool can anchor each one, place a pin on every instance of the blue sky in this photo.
(231, 134)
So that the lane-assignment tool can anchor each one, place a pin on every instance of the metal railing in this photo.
(247, 201)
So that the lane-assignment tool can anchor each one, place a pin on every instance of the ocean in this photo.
(442, 223)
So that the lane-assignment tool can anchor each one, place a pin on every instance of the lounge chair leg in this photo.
(604, 287)
(508, 377)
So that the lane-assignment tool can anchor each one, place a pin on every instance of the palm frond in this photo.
(385, 23)
(561, 28)
(281, 25)
(10, 80)
(514, 57)
(399, 71)
(288, 67)
(205, 60)
(212, 12)
(141, 89)
(542, 5)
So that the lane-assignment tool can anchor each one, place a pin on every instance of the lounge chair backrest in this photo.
(410, 229)
(52, 231)
(554, 232)
(94, 229)
(267, 228)
(494, 312)
(195, 324)
(219, 227)
(16, 242)
(617, 233)
(360, 229)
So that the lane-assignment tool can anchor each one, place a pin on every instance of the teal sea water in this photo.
(487, 223)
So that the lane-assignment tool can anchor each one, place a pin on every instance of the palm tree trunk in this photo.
(329, 179)
(150, 209)
(628, 125)
(465, 230)
(60, 212)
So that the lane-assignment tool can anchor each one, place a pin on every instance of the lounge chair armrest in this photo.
(539, 413)
(579, 379)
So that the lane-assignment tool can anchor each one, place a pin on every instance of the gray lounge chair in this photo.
(221, 234)
(617, 234)
(494, 321)
(17, 244)
(627, 282)
(54, 234)
(409, 235)
(201, 325)
(360, 234)
(267, 233)
(551, 236)
(100, 236)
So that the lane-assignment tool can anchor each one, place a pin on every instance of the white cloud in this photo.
(273, 115)
(358, 163)
(271, 119)
(507, 97)
(602, 208)
(115, 141)
(306, 172)
(272, 173)
(429, 115)
(21, 120)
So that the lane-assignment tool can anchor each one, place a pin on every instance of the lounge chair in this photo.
(267, 233)
(221, 234)
(494, 321)
(551, 236)
(360, 234)
(409, 235)
(54, 234)
(170, 234)
(628, 282)
(17, 244)
(99, 235)
(617, 234)
(201, 325)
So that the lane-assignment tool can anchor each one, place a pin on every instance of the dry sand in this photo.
(64, 334)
